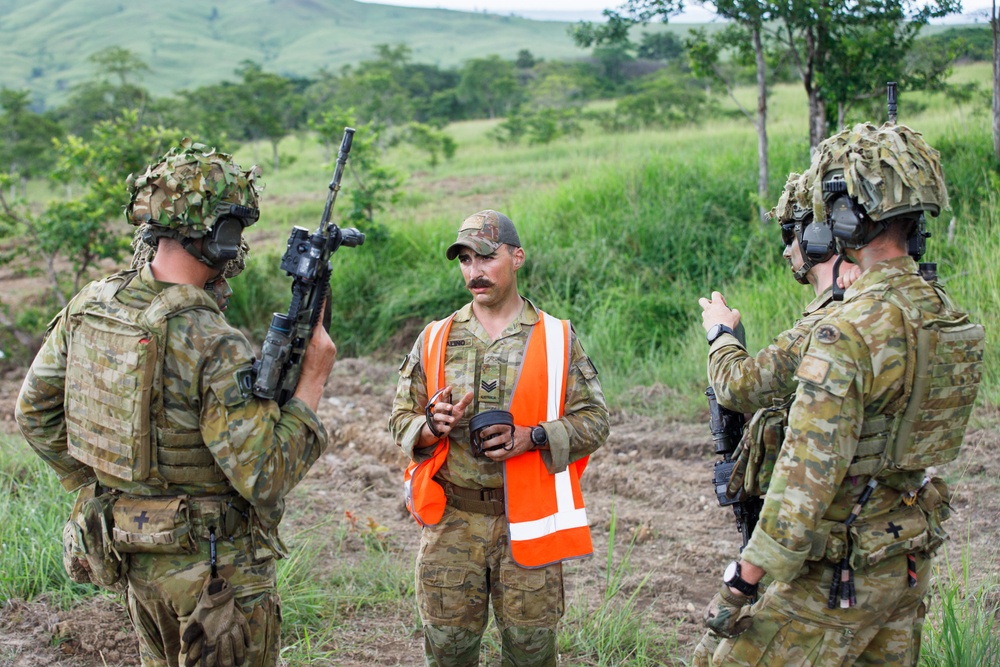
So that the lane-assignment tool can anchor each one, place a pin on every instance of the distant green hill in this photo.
(44, 44)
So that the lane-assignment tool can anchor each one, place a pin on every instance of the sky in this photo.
(578, 10)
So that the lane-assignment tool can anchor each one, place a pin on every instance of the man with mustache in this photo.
(500, 508)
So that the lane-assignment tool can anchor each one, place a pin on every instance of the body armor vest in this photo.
(114, 375)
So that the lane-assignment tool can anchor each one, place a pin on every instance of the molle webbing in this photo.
(948, 370)
(183, 458)
(868, 456)
(109, 382)
(114, 386)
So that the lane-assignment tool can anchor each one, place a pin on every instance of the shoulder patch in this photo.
(813, 369)
(827, 333)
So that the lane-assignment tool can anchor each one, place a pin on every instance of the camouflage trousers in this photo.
(463, 563)
(793, 626)
(163, 590)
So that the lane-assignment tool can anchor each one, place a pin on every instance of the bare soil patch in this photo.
(653, 475)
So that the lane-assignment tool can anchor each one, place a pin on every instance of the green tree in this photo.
(26, 137)
(115, 88)
(81, 231)
(431, 141)
(375, 186)
(269, 107)
(488, 86)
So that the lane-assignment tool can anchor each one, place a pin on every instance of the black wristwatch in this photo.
(539, 438)
(731, 577)
(717, 330)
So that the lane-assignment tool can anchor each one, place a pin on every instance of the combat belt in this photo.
(479, 501)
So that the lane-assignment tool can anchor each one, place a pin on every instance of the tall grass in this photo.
(34, 508)
(963, 623)
(616, 633)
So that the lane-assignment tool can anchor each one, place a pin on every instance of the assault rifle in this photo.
(727, 429)
(307, 261)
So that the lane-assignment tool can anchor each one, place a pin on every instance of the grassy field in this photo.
(622, 233)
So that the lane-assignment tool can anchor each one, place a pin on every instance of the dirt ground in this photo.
(653, 473)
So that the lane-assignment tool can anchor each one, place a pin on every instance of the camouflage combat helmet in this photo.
(790, 208)
(189, 189)
(889, 170)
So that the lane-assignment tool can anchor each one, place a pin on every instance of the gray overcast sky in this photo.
(585, 9)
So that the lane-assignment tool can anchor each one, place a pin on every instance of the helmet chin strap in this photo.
(802, 271)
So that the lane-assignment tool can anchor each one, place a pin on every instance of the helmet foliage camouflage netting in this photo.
(890, 170)
(188, 189)
(789, 207)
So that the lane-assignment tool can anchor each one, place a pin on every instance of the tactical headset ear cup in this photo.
(817, 241)
(846, 221)
(222, 243)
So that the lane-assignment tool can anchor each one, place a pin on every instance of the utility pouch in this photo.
(902, 531)
(91, 524)
(935, 500)
(767, 433)
(153, 526)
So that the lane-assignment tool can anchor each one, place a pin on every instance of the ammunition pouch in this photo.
(87, 536)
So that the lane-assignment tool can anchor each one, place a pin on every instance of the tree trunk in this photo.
(995, 25)
(817, 119)
(274, 154)
(841, 114)
(762, 162)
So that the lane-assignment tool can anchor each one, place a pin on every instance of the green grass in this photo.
(963, 622)
(35, 507)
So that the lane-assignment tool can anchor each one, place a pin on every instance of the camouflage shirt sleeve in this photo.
(407, 416)
(584, 426)
(825, 420)
(39, 410)
(263, 450)
(747, 384)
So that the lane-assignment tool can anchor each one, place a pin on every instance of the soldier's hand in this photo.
(444, 415)
(728, 613)
(216, 634)
(317, 363)
(849, 274)
(499, 435)
(716, 311)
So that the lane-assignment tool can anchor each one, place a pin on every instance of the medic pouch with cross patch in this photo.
(944, 382)
(153, 525)
(114, 377)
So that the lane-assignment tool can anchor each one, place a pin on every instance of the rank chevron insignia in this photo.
(488, 386)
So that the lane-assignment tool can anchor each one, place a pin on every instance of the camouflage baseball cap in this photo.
(190, 188)
(889, 170)
(484, 233)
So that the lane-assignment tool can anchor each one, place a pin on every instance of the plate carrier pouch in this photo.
(114, 376)
(943, 381)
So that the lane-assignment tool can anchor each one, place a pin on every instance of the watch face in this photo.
(714, 332)
(732, 571)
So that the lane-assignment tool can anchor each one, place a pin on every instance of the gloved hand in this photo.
(217, 633)
(728, 614)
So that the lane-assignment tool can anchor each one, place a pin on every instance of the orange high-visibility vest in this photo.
(546, 516)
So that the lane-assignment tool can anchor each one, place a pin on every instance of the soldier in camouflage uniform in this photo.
(885, 388)
(764, 384)
(465, 559)
(176, 461)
